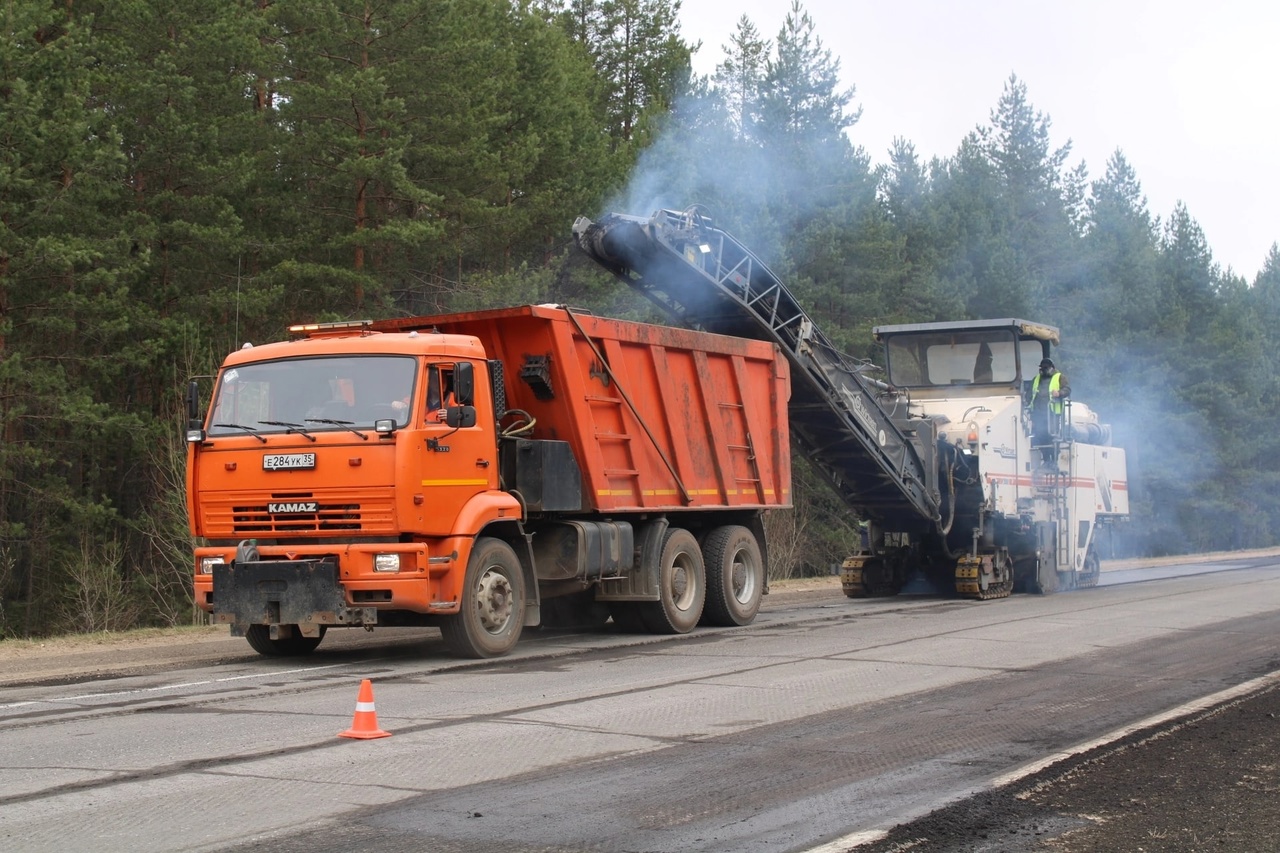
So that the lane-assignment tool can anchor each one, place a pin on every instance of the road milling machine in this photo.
(937, 456)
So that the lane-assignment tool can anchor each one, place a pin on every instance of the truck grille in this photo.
(259, 519)
(295, 513)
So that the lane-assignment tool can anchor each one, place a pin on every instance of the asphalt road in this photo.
(824, 726)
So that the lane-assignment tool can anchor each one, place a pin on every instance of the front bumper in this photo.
(283, 592)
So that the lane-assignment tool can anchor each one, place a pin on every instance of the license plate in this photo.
(288, 461)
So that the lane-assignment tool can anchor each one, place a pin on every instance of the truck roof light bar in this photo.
(307, 330)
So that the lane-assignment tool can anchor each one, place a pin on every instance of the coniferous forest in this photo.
(177, 178)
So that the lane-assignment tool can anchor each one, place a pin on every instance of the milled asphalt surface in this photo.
(1209, 781)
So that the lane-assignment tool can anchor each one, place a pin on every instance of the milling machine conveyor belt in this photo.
(705, 279)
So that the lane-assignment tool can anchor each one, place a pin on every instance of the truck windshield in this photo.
(985, 357)
(328, 393)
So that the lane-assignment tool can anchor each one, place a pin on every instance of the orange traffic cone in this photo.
(365, 724)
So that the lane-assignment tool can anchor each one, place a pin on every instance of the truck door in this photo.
(461, 456)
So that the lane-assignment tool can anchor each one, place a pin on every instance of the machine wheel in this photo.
(492, 613)
(682, 585)
(294, 645)
(735, 576)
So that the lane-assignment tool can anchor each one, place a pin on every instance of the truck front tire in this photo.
(489, 623)
(294, 645)
(735, 576)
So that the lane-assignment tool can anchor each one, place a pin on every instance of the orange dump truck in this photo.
(485, 471)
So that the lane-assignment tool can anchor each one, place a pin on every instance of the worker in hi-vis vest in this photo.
(1048, 391)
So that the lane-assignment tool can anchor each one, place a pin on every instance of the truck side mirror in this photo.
(195, 425)
(464, 383)
(460, 416)
(193, 404)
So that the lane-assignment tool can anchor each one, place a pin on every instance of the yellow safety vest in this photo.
(1055, 404)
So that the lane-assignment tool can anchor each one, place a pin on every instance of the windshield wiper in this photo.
(347, 425)
(253, 432)
(298, 428)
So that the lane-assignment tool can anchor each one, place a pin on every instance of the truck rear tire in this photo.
(682, 585)
(489, 623)
(294, 645)
(735, 576)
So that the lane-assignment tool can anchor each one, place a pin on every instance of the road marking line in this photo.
(83, 696)
(853, 839)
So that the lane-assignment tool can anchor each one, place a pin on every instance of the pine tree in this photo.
(68, 255)
(1117, 293)
(803, 118)
(973, 256)
(638, 52)
(1037, 199)
(740, 77)
(347, 104)
(1189, 275)
(918, 292)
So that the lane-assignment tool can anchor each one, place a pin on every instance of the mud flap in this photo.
(532, 590)
(283, 592)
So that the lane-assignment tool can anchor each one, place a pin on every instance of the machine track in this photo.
(1088, 576)
(867, 576)
(983, 577)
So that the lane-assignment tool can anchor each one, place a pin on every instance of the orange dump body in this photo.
(658, 418)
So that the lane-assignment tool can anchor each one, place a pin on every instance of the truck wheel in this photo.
(735, 576)
(492, 613)
(294, 645)
(682, 585)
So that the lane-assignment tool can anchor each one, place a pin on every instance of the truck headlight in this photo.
(207, 564)
(386, 562)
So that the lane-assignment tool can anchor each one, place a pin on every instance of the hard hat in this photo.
(1046, 362)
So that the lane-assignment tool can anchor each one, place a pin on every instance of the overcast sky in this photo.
(1188, 91)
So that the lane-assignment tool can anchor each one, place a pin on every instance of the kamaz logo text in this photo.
(299, 506)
